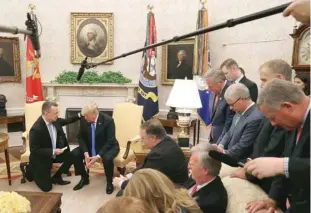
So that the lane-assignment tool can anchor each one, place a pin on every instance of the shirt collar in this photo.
(306, 115)
(239, 79)
(248, 108)
(204, 184)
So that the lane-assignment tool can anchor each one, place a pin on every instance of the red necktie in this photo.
(194, 189)
(299, 130)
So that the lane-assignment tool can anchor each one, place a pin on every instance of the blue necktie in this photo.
(50, 128)
(93, 139)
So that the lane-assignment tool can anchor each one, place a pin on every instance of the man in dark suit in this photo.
(238, 141)
(165, 155)
(97, 141)
(205, 185)
(233, 73)
(270, 139)
(47, 140)
(219, 110)
(287, 106)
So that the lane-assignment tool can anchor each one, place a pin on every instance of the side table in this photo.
(4, 145)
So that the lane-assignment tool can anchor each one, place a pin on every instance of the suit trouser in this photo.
(40, 172)
(78, 157)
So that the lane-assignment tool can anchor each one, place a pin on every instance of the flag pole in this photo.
(229, 23)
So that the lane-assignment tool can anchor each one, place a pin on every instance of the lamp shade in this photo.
(184, 94)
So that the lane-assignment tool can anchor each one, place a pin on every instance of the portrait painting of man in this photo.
(91, 35)
(9, 59)
(177, 61)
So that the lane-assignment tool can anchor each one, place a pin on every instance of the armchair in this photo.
(127, 118)
(32, 112)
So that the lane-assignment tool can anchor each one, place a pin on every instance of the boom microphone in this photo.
(226, 159)
(34, 37)
(82, 68)
(228, 23)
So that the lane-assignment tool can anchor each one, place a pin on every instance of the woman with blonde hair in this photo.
(160, 193)
(126, 205)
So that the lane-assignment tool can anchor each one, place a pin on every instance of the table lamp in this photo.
(185, 97)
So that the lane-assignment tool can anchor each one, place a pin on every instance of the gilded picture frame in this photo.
(10, 67)
(92, 36)
(177, 61)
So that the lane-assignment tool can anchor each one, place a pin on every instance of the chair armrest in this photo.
(24, 138)
(128, 145)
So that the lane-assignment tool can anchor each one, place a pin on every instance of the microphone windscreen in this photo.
(226, 159)
(80, 73)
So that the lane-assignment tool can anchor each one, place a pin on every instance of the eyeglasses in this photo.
(234, 102)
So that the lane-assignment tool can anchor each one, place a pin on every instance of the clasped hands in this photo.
(89, 161)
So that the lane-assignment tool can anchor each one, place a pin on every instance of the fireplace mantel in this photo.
(77, 95)
(53, 90)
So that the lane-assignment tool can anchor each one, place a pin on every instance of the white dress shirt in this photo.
(200, 186)
(54, 132)
(239, 79)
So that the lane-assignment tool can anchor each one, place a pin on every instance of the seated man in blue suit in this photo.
(219, 110)
(238, 141)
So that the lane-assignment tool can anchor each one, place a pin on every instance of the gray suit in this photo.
(239, 140)
(221, 115)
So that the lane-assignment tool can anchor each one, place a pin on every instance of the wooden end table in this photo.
(4, 145)
(42, 202)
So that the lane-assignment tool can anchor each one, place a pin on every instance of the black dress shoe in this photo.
(82, 182)
(109, 188)
(60, 181)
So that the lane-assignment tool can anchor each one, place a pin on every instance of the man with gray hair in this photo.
(287, 106)
(219, 110)
(97, 142)
(206, 186)
(238, 141)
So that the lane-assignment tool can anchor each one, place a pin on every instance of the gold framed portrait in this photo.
(10, 67)
(177, 61)
(91, 36)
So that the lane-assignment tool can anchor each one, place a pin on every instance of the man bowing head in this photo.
(97, 142)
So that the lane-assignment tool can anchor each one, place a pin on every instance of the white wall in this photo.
(250, 44)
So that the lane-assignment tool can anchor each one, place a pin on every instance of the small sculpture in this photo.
(3, 101)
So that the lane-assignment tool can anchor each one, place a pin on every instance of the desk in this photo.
(42, 202)
(12, 119)
(194, 124)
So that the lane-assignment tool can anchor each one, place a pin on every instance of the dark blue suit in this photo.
(221, 115)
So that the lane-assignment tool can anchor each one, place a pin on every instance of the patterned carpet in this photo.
(14, 155)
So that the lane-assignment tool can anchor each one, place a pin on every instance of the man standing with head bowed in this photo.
(97, 142)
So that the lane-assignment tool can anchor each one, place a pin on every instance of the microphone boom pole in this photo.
(229, 23)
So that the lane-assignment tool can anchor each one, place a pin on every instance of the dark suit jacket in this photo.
(252, 87)
(269, 143)
(41, 149)
(211, 198)
(239, 140)
(168, 158)
(221, 115)
(106, 144)
(297, 186)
